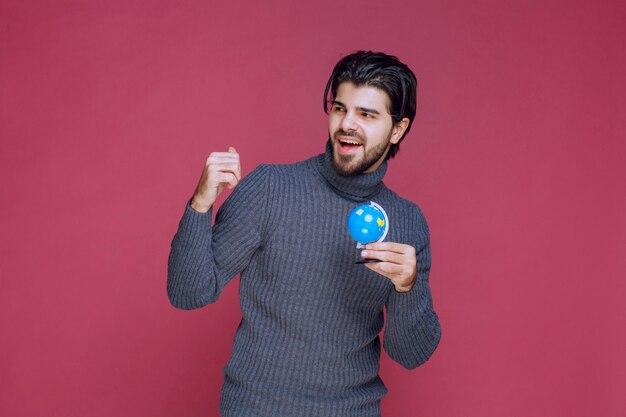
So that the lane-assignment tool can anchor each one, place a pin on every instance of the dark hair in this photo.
(382, 71)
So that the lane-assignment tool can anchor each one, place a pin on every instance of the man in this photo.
(308, 342)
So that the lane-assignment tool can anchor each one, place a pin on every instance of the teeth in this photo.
(352, 142)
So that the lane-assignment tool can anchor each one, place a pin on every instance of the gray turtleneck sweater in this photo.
(308, 343)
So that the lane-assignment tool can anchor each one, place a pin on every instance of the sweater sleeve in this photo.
(203, 259)
(412, 330)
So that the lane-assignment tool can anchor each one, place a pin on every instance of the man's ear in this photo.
(399, 129)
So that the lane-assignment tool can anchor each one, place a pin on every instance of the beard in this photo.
(346, 165)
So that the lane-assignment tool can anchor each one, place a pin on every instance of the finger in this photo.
(227, 153)
(385, 256)
(226, 167)
(391, 246)
(387, 246)
(385, 268)
(225, 164)
(233, 182)
(232, 150)
(224, 157)
(235, 169)
(222, 178)
(236, 172)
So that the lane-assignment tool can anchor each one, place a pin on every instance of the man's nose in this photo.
(348, 122)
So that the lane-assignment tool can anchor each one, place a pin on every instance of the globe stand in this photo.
(367, 261)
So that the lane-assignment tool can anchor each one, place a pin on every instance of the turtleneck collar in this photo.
(357, 188)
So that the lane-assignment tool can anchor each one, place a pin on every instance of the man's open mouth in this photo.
(349, 143)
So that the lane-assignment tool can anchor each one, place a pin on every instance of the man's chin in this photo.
(345, 168)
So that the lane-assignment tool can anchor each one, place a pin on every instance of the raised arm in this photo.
(204, 258)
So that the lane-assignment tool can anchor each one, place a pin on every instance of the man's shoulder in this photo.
(403, 202)
(407, 207)
(278, 171)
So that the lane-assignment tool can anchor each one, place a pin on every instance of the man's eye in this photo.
(367, 115)
(338, 109)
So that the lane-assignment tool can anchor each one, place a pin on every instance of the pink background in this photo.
(517, 157)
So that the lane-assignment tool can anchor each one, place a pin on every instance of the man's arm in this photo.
(203, 259)
(412, 331)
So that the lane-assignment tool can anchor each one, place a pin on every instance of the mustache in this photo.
(353, 134)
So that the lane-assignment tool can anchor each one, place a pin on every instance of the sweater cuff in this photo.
(190, 209)
(407, 304)
(197, 226)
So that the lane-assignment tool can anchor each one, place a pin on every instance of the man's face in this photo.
(360, 129)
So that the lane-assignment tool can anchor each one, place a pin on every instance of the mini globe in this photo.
(368, 223)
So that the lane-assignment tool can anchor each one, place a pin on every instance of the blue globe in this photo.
(367, 223)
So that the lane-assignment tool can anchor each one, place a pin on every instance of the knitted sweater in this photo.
(308, 343)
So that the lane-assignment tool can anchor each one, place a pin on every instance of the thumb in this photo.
(232, 150)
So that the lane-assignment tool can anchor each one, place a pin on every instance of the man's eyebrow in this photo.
(366, 110)
(363, 109)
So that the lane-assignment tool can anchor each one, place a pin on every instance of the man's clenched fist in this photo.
(221, 168)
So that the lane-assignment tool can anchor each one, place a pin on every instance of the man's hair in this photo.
(382, 71)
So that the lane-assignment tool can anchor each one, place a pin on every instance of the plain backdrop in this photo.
(108, 110)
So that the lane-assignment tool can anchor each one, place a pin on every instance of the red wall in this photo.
(517, 157)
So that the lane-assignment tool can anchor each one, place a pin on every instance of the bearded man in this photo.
(308, 344)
